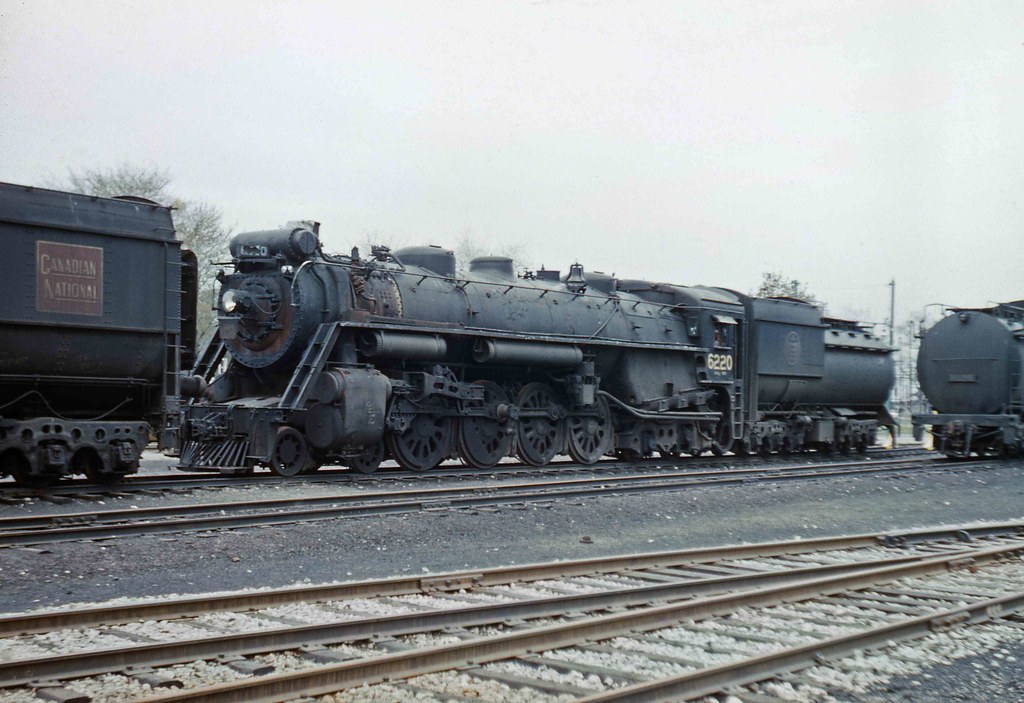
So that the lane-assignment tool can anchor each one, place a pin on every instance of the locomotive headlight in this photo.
(229, 302)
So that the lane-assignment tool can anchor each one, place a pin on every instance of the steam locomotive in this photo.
(323, 358)
(971, 369)
(97, 321)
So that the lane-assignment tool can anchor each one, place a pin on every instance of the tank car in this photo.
(346, 359)
(970, 367)
(91, 331)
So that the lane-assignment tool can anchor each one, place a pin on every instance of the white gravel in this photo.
(22, 648)
(352, 650)
(305, 612)
(799, 694)
(544, 673)
(69, 641)
(428, 640)
(469, 687)
(20, 696)
(622, 661)
(377, 694)
(697, 636)
(370, 607)
(748, 624)
(112, 688)
(610, 582)
(285, 661)
(164, 630)
(238, 622)
(521, 592)
(691, 653)
(856, 673)
(433, 602)
(573, 585)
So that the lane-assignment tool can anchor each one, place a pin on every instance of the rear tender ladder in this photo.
(314, 359)
(736, 410)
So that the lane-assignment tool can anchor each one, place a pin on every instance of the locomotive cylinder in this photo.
(351, 408)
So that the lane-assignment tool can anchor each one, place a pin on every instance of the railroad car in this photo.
(349, 359)
(91, 331)
(970, 367)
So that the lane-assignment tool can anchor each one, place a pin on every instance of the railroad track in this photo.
(111, 523)
(81, 489)
(644, 627)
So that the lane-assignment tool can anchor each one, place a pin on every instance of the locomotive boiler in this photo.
(970, 367)
(98, 310)
(348, 359)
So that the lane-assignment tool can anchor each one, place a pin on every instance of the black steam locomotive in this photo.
(346, 359)
(971, 369)
(97, 319)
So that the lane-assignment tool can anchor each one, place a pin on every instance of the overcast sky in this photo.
(842, 144)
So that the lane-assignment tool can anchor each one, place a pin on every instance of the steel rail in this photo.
(140, 483)
(50, 520)
(705, 682)
(116, 523)
(66, 666)
(29, 623)
(275, 688)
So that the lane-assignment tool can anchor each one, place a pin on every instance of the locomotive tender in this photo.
(971, 369)
(347, 359)
(91, 331)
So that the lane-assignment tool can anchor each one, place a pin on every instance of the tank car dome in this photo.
(968, 362)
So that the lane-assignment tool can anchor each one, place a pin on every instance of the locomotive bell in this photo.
(576, 281)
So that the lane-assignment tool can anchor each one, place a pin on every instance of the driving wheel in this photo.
(425, 443)
(591, 436)
(485, 440)
(540, 431)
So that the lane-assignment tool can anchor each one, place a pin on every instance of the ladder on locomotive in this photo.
(1016, 404)
(736, 409)
(314, 359)
(209, 360)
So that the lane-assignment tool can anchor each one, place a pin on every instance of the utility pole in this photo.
(892, 311)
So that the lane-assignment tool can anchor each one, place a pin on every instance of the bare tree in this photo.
(199, 224)
(775, 285)
(467, 249)
(124, 179)
(378, 238)
(907, 397)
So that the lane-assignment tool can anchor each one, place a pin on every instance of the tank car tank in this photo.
(970, 367)
(91, 331)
